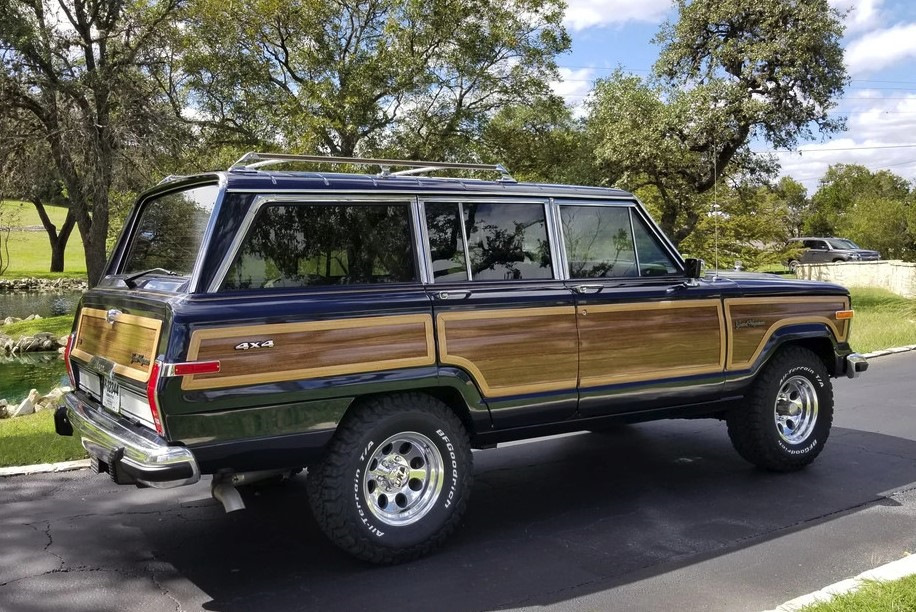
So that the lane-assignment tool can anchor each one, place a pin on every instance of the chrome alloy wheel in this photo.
(796, 409)
(403, 479)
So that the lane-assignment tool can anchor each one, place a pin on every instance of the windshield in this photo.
(169, 231)
(842, 243)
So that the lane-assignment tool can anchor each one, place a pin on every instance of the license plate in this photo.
(111, 395)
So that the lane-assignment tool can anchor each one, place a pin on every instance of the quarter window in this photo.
(653, 260)
(299, 245)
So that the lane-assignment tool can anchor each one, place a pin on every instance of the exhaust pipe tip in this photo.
(228, 495)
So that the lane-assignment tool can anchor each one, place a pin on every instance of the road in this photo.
(654, 516)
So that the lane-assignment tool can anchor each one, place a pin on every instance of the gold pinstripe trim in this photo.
(214, 381)
(667, 372)
(784, 322)
(447, 358)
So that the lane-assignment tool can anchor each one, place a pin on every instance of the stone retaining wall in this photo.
(896, 276)
(41, 285)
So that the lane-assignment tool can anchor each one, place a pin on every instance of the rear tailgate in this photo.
(114, 349)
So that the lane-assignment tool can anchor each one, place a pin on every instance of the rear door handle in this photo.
(587, 288)
(455, 294)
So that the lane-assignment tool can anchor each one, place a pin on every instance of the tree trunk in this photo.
(58, 240)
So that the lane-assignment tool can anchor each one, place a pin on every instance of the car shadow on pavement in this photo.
(547, 521)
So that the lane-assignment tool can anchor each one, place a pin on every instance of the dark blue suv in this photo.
(374, 328)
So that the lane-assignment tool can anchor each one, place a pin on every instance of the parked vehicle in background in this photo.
(829, 250)
(374, 328)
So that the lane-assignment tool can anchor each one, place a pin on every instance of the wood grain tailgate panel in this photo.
(118, 341)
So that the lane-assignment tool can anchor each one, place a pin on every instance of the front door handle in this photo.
(587, 288)
(454, 294)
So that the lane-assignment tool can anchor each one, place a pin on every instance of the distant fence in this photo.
(896, 276)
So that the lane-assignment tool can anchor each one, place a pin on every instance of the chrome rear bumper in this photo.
(130, 453)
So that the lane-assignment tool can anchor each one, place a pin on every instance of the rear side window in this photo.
(301, 245)
(169, 231)
(495, 241)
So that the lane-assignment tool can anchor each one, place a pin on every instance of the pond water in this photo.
(45, 304)
(18, 375)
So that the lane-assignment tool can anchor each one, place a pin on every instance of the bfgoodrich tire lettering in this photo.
(788, 413)
(395, 480)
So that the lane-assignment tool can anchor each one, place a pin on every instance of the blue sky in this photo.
(879, 103)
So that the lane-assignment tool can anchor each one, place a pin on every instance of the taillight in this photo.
(67, 349)
(152, 398)
(189, 368)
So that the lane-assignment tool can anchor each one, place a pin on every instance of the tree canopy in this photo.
(728, 70)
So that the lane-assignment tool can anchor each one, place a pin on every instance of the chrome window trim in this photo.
(421, 240)
(558, 241)
(262, 200)
(474, 198)
(633, 239)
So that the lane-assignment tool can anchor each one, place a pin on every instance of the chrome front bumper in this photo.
(855, 365)
(130, 453)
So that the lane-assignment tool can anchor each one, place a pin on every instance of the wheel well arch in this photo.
(449, 396)
(822, 346)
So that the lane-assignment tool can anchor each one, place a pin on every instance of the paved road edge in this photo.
(894, 570)
(44, 468)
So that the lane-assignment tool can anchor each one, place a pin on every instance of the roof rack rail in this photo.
(253, 160)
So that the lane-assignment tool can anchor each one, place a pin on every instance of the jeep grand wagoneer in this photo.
(374, 328)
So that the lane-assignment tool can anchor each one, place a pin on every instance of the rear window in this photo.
(300, 245)
(169, 231)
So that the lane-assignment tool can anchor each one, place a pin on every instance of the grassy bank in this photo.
(892, 596)
(31, 439)
(883, 320)
(30, 252)
(59, 326)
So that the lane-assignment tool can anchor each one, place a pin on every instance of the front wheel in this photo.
(395, 480)
(788, 414)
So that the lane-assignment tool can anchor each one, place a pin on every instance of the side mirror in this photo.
(693, 267)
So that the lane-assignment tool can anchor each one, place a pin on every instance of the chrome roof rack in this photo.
(253, 161)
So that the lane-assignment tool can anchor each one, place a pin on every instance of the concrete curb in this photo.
(891, 571)
(44, 468)
(890, 351)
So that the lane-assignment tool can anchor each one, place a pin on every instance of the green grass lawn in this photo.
(31, 439)
(30, 252)
(883, 320)
(59, 326)
(891, 596)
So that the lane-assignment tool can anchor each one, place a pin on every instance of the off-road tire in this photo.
(753, 428)
(337, 486)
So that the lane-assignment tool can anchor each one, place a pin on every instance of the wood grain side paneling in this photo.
(118, 342)
(311, 349)
(512, 351)
(623, 343)
(752, 321)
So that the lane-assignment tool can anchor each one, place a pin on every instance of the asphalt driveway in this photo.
(652, 516)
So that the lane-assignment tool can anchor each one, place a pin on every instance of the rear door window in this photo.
(488, 241)
(309, 244)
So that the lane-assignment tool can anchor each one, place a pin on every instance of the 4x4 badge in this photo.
(244, 346)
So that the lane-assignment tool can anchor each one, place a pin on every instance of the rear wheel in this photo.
(395, 480)
(793, 265)
(788, 414)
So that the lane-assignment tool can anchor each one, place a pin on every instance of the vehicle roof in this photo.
(271, 181)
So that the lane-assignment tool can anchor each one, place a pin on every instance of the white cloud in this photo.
(574, 86)
(879, 128)
(582, 14)
(861, 15)
(881, 48)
